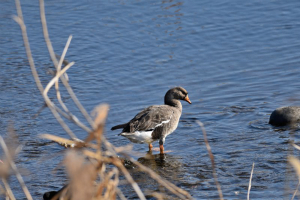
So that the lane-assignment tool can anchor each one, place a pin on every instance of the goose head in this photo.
(177, 93)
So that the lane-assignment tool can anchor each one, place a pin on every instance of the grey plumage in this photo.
(156, 122)
(157, 119)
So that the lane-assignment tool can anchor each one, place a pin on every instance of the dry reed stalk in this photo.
(160, 196)
(249, 187)
(77, 165)
(296, 191)
(109, 183)
(296, 146)
(211, 156)
(9, 154)
(19, 20)
(66, 142)
(58, 70)
(120, 194)
(100, 113)
(118, 163)
(168, 185)
(82, 176)
(55, 111)
(8, 190)
(296, 164)
(54, 60)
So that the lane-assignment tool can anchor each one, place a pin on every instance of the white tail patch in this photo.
(139, 136)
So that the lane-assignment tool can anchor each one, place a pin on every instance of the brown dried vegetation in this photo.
(94, 165)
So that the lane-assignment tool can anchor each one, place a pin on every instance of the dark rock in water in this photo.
(49, 195)
(285, 116)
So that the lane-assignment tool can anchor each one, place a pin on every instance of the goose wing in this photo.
(150, 118)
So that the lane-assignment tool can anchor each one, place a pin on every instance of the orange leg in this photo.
(150, 147)
(161, 148)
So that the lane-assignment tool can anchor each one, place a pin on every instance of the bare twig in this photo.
(58, 70)
(296, 146)
(20, 21)
(160, 196)
(51, 104)
(117, 162)
(170, 186)
(56, 78)
(135, 186)
(72, 118)
(55, 62)
(296, 164)
(46, 34)
(120, 194)
(15, 169)
(108, 189)
(8, 190)
(249, 187)
(211, 156)
(296, 191)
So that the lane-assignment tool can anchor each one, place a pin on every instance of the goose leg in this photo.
(150, 147)
(161, 145)
(161, 148)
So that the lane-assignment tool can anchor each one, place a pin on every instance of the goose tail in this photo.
(119, 126)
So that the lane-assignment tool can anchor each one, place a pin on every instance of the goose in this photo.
(156, 122)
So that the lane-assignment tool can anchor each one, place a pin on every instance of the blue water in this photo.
(238, 60)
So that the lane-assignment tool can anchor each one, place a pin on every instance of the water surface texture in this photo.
(239, 60)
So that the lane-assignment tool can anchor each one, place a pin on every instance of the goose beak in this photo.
(187, 99)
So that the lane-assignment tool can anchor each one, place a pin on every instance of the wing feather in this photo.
(150, 118)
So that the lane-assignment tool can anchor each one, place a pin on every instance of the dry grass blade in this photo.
(72, 118)
(9, 192)
(127, 175)
(127, 148)
(117, 162)
(170, 186)
(51, 105)
(58, 75)
(296, 164)
(58, 70)
(161, 196)
(55, 62)
(15, 169)
(46, 34)
(211, 156)
(109, 184)
(249, 187)
(83, 172)
(19, 20)
(100, 112)
(296, 191)
(63, 141)
(4, 169)
(82, 176)
(296, 146)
